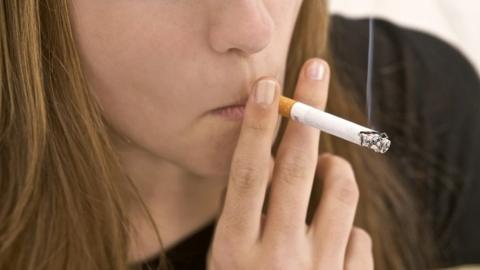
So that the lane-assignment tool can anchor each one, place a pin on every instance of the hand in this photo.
(247, 239)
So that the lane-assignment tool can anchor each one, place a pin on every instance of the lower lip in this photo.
(234, 113)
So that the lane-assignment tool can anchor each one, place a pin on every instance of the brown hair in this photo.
(64, 197)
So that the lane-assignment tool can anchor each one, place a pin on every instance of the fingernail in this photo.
(265, 92)
(316, 70)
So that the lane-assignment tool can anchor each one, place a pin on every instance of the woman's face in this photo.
(158, 67)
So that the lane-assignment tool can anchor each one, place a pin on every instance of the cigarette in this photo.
(334, 125)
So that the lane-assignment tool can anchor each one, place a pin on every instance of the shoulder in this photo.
(426, 96)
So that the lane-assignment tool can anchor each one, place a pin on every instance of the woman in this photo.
(115, 146)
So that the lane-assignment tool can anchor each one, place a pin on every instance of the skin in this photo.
(157, 69)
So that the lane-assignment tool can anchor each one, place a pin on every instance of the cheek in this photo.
(131, 55)
(136, 48)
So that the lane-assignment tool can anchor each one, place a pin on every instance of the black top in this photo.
(425, 97)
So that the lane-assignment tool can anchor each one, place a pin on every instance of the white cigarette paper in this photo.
(339, 127)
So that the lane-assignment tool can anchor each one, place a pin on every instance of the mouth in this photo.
(234, 111)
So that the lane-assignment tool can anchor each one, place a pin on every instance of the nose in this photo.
(243, 25)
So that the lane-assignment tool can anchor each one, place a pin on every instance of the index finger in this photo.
(251, 162)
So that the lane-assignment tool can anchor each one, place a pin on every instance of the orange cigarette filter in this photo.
(285, 106)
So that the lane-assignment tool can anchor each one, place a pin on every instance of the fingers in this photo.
(297, 156)
(333, 220)
(252, 162)
(359, 251)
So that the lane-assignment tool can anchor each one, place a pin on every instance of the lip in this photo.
(240, 102)
(237, 103)
(234, 112)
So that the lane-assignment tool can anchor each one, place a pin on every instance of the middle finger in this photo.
(297, 156)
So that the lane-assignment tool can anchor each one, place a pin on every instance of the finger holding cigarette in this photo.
(296, 157)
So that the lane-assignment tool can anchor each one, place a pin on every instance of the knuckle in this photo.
(340, 181)
(333, 161)
(345, 190)
(244, 175)
(293, 167)
(362, 236)
(342, 164)
(329, 163)
(325, 157)
(293, 175)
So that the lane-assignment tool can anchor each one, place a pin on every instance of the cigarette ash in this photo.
(376, 141)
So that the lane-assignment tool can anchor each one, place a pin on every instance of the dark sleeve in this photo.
(426, 96)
